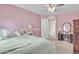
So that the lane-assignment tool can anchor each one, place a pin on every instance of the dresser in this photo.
(76, 35)
(65, 37)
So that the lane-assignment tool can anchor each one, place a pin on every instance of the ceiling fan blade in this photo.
(60, 5)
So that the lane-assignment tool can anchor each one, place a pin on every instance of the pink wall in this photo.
(66, 17)
(13, 17)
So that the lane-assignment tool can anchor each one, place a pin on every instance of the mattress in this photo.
(26, 44)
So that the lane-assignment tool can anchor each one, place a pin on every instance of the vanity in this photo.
(65, 34)
(65, 37)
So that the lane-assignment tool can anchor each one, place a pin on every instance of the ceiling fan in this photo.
(52, 7)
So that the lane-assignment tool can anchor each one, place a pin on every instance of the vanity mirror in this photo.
(67, 27)
(66, 34)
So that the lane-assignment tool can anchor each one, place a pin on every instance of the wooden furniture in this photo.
(65, 37)
(68, 37)
(76, 35)
(60, 36)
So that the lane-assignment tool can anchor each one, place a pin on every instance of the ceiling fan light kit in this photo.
(51, 7)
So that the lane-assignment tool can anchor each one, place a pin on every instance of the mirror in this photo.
(67, 27)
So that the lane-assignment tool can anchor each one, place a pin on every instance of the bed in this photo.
(26, 44)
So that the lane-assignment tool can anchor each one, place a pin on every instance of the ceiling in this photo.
(42, 9)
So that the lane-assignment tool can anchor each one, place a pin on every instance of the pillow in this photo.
(1, 36)
(11, 34)
(4, 32)
(17, 33)
(22, 32)
(7, 33)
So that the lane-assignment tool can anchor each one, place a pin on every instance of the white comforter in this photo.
(26, 44)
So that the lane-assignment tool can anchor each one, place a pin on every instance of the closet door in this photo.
(76, 36)
(44, 28)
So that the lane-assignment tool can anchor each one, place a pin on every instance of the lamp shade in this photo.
(29, 26)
